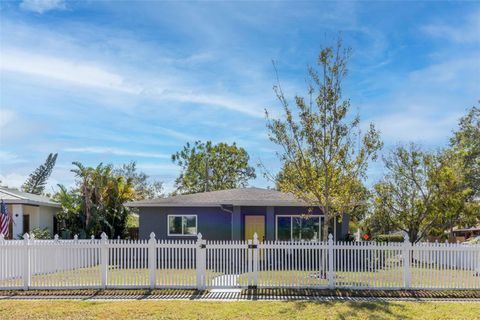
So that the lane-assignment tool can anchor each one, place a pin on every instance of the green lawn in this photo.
(389, 277)
(85, 310)
(92, 277)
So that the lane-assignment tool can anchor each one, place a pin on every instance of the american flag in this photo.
(4, 219)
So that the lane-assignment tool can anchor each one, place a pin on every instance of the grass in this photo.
(363, 293)
(92, 277)
(389, 277)
(86, 310)
(102, 292)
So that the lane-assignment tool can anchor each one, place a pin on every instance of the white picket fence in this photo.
(201, 264)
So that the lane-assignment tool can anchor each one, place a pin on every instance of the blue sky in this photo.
(118, 81)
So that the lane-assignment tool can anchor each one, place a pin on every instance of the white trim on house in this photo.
(320, 217)
(183, 234)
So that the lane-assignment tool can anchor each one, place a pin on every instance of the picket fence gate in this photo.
(201, 264)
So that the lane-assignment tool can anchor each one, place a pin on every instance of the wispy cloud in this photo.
(175, 134)
(426, 107)
(412, 125)
(117, 152)
(220, 101)
(119, 91)
(96, 75)
(155, 168)
(6, 117)
(10, 158)
(12, 180)
(76, 72)
(467, 31)
(41, 6)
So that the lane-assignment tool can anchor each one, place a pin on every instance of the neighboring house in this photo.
(462, 234)
(234, 214)
(28, 211)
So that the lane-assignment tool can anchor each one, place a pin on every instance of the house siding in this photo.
(215, 223)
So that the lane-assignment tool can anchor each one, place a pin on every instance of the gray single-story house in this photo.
(234, 214)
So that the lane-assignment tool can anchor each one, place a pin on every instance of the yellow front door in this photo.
(255, 224)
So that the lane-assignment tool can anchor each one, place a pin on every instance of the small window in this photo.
(182, 225)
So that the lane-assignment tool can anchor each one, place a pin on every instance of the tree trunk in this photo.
(325, 228)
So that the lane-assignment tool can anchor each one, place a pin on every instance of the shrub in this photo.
(388, 238)
(39, 234)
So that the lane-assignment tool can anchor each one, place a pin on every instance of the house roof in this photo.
(13, 196)
(235, 197)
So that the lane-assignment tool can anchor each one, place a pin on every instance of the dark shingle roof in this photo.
(236, 197)
(13, 196)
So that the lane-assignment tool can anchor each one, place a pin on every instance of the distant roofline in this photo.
(251, 203)
(25, 200)
(184, 201)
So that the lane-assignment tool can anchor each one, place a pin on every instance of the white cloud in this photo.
(223, 101)
(6, 117)
(13, 180)
(10, 158)
(41, 6)
(95, 75)
(175, 134)
(412, 125)
(117, 152)
(461, 73)
(77, 72)
(468, 32)
(426, 106)
(159, 167)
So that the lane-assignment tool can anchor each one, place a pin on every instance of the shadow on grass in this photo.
(250, 294)
(350, 293)
(85, 294)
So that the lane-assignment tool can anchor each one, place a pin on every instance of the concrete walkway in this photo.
(226, 280)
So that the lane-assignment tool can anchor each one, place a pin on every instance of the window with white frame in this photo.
(296, 227)
(182, 225)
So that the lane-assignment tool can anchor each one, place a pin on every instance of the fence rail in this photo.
(201, 264)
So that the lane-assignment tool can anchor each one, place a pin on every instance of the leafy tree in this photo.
(209, 167)
(69, 218)
(453, 191)
(404, 198)
(421, 193)
(96, 204)
(466, 144)
(324, 154)
(144, 189)
(38, 179)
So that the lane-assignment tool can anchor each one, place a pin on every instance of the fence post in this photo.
(331, 272)
(255, 261)
(201, 263)
(104, 256)
(152, 260)
(406, 254)
(249, 263)
(57, 252)
(26, 262)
